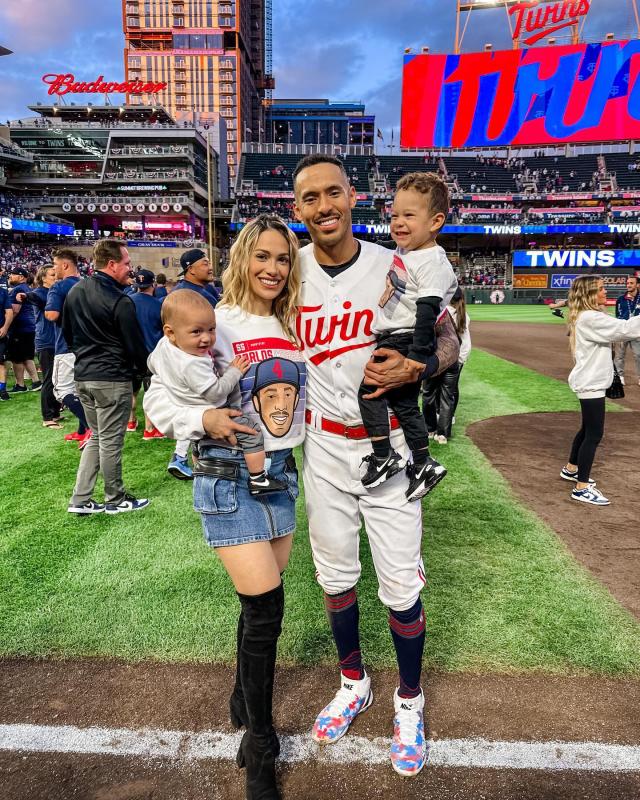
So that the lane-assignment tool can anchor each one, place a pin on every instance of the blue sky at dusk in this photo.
(338, 50)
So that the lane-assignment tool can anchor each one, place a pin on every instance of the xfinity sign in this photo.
(564, 281)
(572, 259)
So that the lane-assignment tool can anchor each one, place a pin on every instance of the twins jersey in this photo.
(335, 326)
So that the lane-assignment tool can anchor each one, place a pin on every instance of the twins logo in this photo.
(315, 332)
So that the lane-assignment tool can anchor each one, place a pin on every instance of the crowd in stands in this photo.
(479, 269)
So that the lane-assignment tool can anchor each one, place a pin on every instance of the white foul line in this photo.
(218, 745)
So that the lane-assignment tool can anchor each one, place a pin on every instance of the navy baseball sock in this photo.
(75, 407)
(407, 631)
(344, 616)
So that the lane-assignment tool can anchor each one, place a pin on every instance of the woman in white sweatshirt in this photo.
(592, 332)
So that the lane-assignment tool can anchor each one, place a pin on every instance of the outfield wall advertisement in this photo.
(572, 259)
(543, 95)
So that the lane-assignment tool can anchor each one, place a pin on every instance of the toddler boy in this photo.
(419, 286)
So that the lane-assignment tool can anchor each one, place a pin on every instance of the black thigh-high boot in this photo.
(262, 625)
(237, 709)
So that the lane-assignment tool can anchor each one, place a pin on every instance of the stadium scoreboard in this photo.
(541, 96)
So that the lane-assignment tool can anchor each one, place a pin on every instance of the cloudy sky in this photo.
(341, 50)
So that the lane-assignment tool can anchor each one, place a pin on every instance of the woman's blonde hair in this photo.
(41, 273)
(235, 279)
(583, 296)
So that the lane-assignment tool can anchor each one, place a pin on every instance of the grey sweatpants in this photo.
(621, 352)
(107, 405)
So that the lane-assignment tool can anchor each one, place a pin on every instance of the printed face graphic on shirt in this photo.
(275, 394)
(396, 286)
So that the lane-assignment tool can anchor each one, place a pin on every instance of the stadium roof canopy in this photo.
(113, 113)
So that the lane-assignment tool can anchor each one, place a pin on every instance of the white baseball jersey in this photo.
(335, 326)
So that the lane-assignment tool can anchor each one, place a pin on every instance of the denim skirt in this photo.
(231, 515)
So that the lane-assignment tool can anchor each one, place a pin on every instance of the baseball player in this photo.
(341, 288)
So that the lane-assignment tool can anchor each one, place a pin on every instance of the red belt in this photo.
(348, 431)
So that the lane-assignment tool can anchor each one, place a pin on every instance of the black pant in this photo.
(49, 406)
(585, 444)
(440, 397)
(403, 401)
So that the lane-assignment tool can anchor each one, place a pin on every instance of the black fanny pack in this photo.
(216, 467)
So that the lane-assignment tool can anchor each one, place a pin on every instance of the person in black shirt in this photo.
(100, 324)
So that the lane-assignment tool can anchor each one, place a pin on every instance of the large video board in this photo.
(544, 95)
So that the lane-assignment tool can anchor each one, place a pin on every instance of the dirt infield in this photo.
(543, 348)
(194, 698)
(530, 449)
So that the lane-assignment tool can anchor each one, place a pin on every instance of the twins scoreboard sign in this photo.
(544, 95)
(570, 259)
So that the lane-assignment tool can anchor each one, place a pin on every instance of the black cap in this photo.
(19, 271)
(190, 257)
(144, 278)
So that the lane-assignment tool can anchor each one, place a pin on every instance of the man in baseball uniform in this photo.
(342, 280)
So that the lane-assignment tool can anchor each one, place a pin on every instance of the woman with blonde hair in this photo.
(45, 344)
(592, 331)
(251, 534)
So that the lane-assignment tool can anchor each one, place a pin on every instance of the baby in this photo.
(182, 363)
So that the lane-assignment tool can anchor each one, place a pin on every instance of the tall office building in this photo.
(212, 54)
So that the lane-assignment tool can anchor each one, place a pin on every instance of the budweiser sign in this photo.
(541, 19)
(67, 84)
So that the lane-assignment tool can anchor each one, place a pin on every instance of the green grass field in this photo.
(502, 594)
(513, 314)
(516, 313)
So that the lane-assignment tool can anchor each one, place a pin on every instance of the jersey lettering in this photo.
(319, 331)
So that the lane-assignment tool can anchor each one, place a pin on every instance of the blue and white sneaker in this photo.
(83, 509)
(590, 495)
(352, 698)
(573, 476)
(408, 747)
(128, 503)
(179, 468)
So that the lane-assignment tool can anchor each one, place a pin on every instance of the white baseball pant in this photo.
(63, 382)
(336, 501)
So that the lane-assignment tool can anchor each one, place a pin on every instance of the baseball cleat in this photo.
(379, 471)
(408, 747)
(424, 478)
(352, 699)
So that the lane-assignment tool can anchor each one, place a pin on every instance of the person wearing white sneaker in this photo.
(340, 294)
(592, 332)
